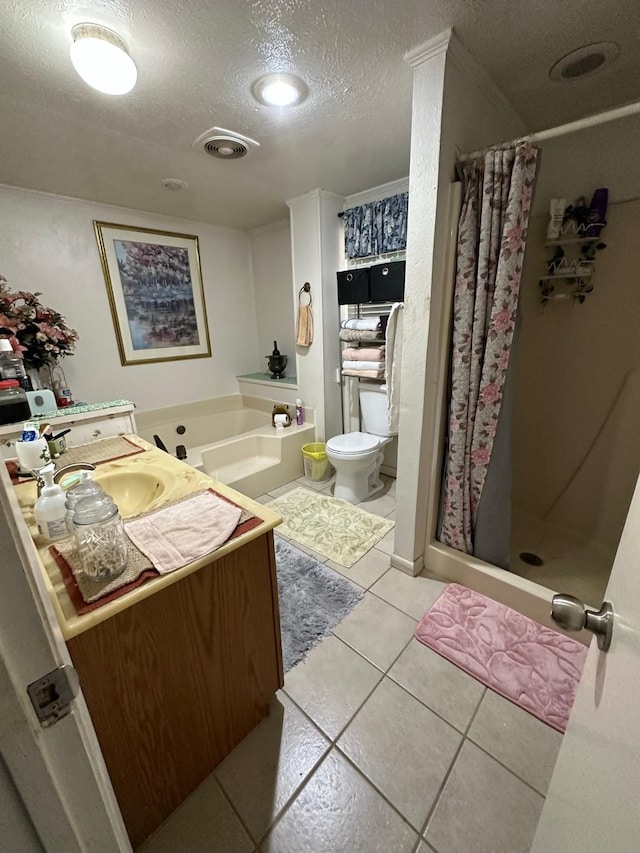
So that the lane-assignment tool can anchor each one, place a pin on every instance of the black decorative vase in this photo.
(277, 364)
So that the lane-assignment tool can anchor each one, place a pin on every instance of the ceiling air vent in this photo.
(224, 144)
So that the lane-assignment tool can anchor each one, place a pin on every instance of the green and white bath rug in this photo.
(334, 528)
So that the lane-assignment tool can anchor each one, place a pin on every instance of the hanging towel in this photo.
(363, 354)
(362, 335)
(362, 324)
(365, 374)
(393, 365)
(363, 365)
(304, 336)
(182, 533)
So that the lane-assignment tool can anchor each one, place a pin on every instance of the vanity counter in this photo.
(181, 481)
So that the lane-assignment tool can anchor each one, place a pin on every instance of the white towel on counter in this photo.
(363, 365)
(363, 324)
(184, 532)
(394, 363)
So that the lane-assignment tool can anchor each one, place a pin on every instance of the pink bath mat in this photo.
(532, 666)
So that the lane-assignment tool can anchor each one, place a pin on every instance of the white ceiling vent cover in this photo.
(224, 144)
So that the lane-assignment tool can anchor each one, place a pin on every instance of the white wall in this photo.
(272, 276)
(47, 244)
(455, 106)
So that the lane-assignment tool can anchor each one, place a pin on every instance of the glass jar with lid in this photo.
(14, 405)
(86, 488)
(100, 537)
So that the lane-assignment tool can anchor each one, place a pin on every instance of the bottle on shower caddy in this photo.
(299, 413)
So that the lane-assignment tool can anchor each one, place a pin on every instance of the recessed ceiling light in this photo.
(585, 60)
(101, 58)
(279, 90)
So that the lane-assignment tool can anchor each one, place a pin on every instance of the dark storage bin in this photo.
(353, 286)
(387, 282)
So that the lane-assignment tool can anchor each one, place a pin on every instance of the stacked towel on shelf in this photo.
(364, 374)
(363, 365)
(363, 353)
(362, 324)
(355, 335)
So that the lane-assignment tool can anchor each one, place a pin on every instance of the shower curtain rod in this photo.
(561, 130)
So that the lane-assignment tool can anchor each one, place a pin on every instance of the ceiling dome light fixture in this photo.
(585, 60)
(101, 58)
(280, 90)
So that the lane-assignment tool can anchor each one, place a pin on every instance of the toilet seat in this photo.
(353, 444)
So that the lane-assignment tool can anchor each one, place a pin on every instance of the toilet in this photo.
(357, 456)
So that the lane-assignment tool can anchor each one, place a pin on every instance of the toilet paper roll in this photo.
(33, 454)
(281, 421)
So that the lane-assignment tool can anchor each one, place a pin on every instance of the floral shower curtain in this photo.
(492, 234)
(377, 227)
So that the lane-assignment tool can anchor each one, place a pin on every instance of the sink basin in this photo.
(133, 492)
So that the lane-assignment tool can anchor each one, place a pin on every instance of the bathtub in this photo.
(232, 440)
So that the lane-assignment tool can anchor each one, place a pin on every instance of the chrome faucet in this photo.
(66, 469)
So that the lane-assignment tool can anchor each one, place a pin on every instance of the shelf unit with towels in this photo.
(350, 310)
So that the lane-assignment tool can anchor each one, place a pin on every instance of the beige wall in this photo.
(272, 276)
(47, 244)
(574, 378)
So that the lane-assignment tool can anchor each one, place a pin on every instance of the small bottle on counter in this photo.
(50, 510)
(299, 413)
(100, 537)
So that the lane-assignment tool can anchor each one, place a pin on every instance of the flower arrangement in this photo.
(37, 333)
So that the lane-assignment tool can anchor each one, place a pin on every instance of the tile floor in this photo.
(375, 744)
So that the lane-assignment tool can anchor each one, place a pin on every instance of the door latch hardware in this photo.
(52, 694)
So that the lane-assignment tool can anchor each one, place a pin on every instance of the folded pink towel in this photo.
(365, 374)
(180, 534)
(363, 354)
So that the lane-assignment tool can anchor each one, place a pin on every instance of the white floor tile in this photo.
(331, 684)
(265, 770)
(376, 630)
(367, 570)
(483, 808)
(204, 822)
(412, 595)
(338, 810)
(403, 748)
(437, 683)
(521, 742)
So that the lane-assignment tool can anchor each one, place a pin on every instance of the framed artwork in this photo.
(154, 282)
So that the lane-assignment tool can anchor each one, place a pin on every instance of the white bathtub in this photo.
(231, 439)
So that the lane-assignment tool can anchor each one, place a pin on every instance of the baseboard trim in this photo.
(409, 567)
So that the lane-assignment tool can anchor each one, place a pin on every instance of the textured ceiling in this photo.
(197, 59)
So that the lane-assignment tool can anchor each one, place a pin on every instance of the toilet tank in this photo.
(373, 408)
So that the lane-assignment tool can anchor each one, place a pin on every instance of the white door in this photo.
(593, 801)
(58, 772)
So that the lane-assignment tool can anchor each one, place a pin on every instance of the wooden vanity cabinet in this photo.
(177, 680)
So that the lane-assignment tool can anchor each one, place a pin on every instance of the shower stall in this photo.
(575, 453)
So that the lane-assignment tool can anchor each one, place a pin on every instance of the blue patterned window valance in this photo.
(377, 227)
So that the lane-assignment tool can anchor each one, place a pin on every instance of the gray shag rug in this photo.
(313, 600)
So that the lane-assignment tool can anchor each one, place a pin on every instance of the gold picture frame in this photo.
(156, 294)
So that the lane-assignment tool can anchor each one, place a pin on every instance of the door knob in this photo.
(572, 615)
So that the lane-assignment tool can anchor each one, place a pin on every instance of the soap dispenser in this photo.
(50, 509)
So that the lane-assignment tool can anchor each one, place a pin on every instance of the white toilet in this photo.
(357, 456)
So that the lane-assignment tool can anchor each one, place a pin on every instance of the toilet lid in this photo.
(353, 443)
